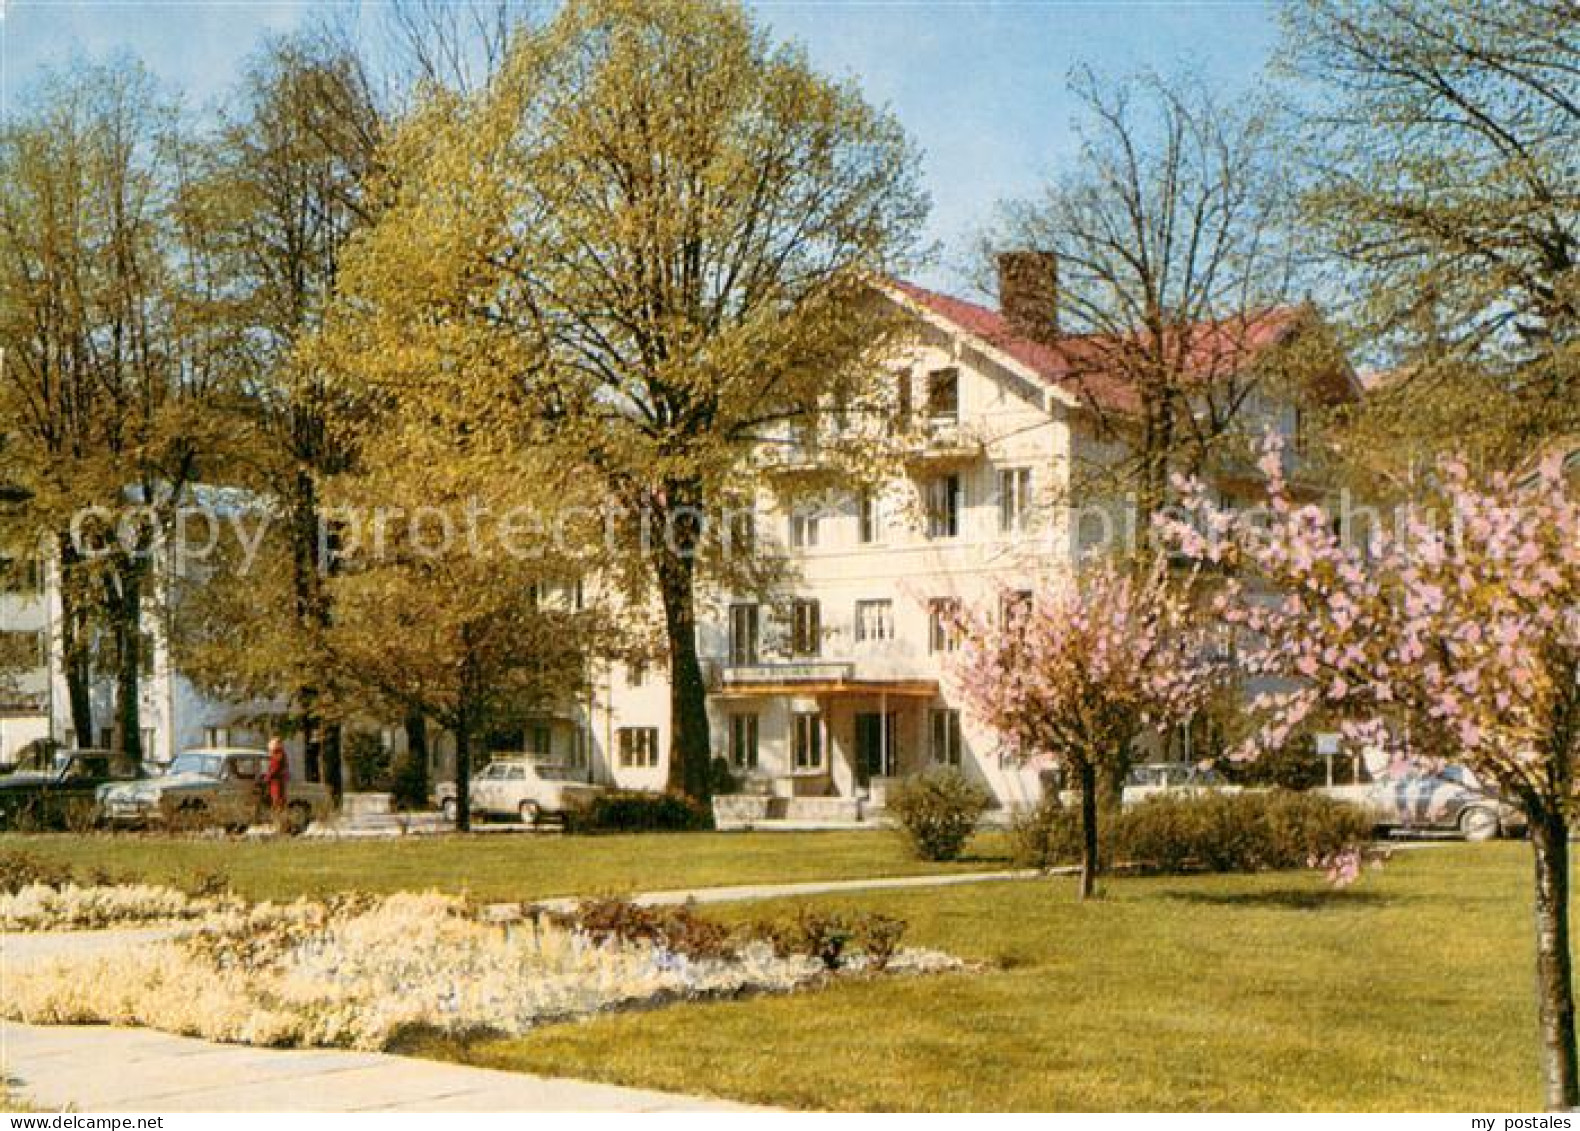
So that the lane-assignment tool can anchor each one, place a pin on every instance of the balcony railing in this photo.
(790, 671)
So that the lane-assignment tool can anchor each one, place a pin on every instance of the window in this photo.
(806, 628)
(808, 741)
(740, 532)
(145, 652)
(902, 416)
(635, 673)
(1014, 499)
(874, 620)
(19, 648)
(19, 576)
(869, 520)
(638, 746)
(743, 634)
(946, 737)
(943, 396)
(942, 635)
(743, 742)
(581, 744)
(539, 741)
(149, 734)
(943, 507)
(803, 530)
(1014, 606)
(216, 736)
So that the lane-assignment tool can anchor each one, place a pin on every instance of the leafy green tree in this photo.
(1439, 143)
(661, 228)
(113, 361)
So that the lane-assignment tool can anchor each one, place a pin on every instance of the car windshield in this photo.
(204, 765)
(80, 768)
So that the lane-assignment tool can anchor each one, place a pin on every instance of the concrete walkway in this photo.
(99, 1069)
(740, 893)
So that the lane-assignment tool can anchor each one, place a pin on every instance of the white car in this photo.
(528, 791)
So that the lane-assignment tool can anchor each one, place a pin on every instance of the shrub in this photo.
(679, 930)
(1049, 833)
(1208, 832)
(20, 870)
(938, 812)
(409, 783)
(878, 937)
(1239, 832)
(367, 763)
(721, 779)
(635, 811)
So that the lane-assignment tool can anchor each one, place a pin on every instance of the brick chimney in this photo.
(1028, 293)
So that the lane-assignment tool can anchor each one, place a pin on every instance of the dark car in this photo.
(60, 793)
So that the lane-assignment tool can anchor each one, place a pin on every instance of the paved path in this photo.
(743, 892)
(99, 1069)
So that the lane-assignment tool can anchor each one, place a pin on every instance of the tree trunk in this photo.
(1554, 975)
(312, 615)
(1090, 864)
(463, 776)
(410, 771)
(690, 743)
(334, 767)
(128, 627)
(75, 659)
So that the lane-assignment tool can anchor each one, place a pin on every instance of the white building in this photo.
(24, 688)
(842, 686)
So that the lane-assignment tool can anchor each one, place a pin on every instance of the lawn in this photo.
(500, 867)
(1410, 991)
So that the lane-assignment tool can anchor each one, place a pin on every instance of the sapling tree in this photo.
(1466, 630)
(1076, 676)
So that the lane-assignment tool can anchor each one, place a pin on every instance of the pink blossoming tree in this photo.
(1077, 675)
(1466, 630)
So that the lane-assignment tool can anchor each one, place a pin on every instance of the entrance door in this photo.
(875, 746)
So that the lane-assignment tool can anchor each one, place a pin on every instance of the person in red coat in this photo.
(278, 774)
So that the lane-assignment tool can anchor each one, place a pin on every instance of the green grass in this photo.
(1410, 991)
(501, 867)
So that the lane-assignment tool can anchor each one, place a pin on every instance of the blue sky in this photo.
(980, 85)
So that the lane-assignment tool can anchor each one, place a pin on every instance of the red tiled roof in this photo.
(1082, 365)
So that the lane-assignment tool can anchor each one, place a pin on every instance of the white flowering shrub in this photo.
(42, 907)
(357, 973)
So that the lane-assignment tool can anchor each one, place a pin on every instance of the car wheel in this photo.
(1477, 824)
(529, 812)
(298, 815)
(448, 809)
(191, 815)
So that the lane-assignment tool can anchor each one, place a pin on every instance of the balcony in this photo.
(809, 678)
(942, 441)
(788, 672)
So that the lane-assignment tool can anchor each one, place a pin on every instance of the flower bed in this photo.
(73, 907)
(360, 972)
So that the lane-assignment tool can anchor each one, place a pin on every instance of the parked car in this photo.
(220, 786)
(1152, 779)
(528, 791)
(1147, 779)
(59, 792)
(1449, 800)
